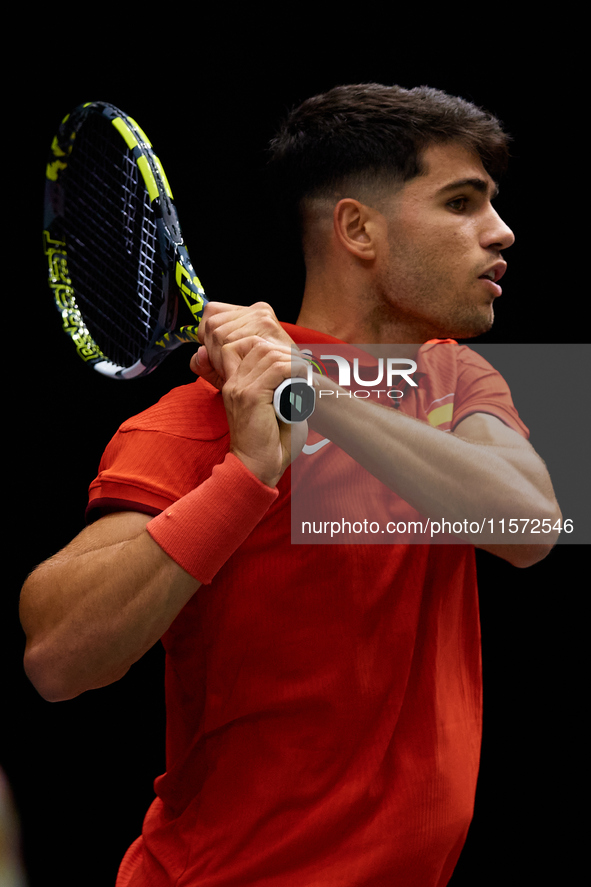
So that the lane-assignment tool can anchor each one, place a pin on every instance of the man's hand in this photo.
(247, 354)
(224, 325)
(264, 444)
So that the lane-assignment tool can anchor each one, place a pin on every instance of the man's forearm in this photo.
(491, 473)
(98, 606)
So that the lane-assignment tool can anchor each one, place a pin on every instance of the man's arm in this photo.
(97, 606)
(94, 609)
(482, 473)
(532, 480)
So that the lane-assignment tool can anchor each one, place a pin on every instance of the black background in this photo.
(209, 95)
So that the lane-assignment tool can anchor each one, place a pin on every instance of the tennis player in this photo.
(323, 701)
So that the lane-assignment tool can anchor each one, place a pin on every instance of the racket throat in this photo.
(182, 336)
(191, 299)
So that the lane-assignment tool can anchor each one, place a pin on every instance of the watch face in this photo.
(296, 401)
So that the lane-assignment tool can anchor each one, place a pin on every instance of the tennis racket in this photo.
(119, 270)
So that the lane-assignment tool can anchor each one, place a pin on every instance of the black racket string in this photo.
(112, 243)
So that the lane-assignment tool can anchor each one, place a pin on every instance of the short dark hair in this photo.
(367, 132)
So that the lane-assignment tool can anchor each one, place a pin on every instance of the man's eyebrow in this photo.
(480, 185)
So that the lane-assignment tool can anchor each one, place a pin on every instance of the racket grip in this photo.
(294, 401)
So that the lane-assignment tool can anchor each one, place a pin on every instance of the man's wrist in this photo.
(203, 529)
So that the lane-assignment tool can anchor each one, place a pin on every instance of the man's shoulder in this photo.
(440, 354)
(194, 411)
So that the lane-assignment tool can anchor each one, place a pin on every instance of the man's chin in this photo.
(475, 326)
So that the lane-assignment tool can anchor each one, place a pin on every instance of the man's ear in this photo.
(357, 227)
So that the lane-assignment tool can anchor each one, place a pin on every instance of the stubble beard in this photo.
(410, 309)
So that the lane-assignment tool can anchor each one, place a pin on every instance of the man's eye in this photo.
(458, 203)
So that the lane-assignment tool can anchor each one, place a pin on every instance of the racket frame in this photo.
(183, 296)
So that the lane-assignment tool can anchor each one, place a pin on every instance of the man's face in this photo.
(445, 243)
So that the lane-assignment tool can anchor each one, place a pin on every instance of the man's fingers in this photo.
(232, 354)
(225, 324)
(201, 366)
(212, 317)
(264, 444)
(229, 357)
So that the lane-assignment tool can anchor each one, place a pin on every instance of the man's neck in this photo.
(357, 327)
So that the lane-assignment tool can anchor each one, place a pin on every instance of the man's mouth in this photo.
(492, 275)
(495, 272)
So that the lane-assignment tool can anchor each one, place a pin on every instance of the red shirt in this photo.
(323, 701)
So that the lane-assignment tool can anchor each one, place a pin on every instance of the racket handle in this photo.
(294, 401)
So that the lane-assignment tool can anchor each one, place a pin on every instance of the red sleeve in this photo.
(482, 389)
(161, 454)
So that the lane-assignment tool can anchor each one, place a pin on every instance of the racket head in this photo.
(119, 271)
